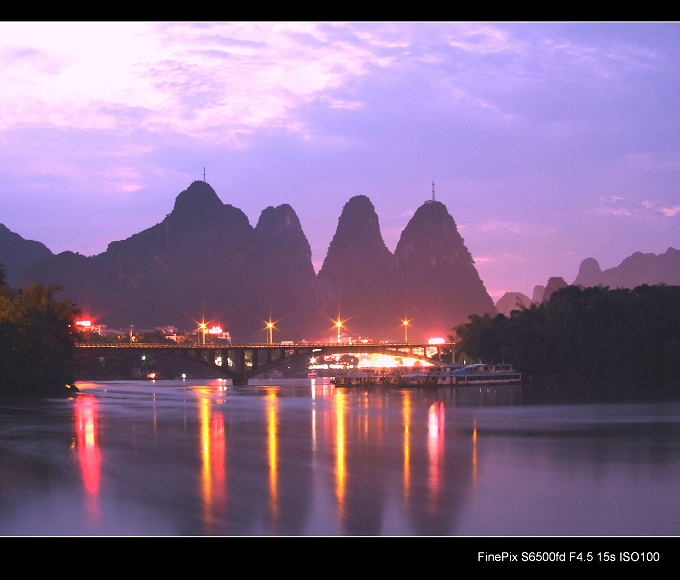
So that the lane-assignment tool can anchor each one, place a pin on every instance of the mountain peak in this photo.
(358, 223)
(280, 231)
(357, 241)
(196, 203)
(17, 254)
(199, 193)
(431, 236)
(589, 273)
(279, 220)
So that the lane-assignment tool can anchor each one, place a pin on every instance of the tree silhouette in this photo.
(587, 339)
(36, 343)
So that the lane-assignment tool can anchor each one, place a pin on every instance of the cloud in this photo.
(670, 211)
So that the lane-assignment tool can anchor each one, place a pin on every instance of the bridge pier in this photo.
(239, 381)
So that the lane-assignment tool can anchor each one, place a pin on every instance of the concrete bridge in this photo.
(240, 362)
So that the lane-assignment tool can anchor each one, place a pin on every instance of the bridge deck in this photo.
(244, 361)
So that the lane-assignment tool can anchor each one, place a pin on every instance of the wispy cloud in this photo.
(670, 211)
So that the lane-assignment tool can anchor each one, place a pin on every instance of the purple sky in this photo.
(548, 143)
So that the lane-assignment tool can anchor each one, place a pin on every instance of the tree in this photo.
(596, 339)
(36, 343)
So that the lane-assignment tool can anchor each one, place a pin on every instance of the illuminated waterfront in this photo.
(300, 457)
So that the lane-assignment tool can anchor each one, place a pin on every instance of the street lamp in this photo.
(203, 326)
(405, 321)
(338, 325)
(270, 328)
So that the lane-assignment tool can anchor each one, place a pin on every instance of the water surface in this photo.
(300, 457)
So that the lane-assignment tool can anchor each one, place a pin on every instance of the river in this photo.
(300, 457)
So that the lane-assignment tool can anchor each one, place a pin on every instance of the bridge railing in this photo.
(243, 345)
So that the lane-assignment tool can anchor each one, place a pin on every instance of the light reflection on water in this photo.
(301, 457)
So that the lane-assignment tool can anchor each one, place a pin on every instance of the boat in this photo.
(434, 376)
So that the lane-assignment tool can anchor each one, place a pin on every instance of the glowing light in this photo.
(202, 326)
(405, 322)
(382, 361)
(215, 329)
(270, 326)
(84, 323)
(436, 341)
(339, 325)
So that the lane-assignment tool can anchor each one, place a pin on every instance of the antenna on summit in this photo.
(431, 200)
(204, 175)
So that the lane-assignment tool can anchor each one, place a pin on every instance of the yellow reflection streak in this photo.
(204, 413)
(219, 461)
(407, 449)
(213, 454)
(340, 452)
(273, 463)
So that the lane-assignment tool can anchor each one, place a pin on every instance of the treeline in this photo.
(593, 341)
(36, 342)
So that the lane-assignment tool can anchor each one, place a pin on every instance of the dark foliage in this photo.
(593, 340)
(36, 343)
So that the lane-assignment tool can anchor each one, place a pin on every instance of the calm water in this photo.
(303, 458)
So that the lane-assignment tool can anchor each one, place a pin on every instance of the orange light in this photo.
(85, 323)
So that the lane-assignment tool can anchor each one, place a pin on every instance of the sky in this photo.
(548, 142)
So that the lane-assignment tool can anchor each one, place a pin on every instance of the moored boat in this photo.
(449, 375)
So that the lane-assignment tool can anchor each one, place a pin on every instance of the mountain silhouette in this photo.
(438, 283)
(357, 273)
(512, 301)
(634, 271)
(17, 254)
(205, 261)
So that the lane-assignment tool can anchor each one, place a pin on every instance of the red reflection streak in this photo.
(88, 450)
(214, 452)
(204, 409)
(435, 446)
(474, 454)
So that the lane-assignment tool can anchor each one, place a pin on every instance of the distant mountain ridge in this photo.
(633, 271)
(206, 260)
(17, 254)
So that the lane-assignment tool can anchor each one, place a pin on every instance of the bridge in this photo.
(240, 362)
